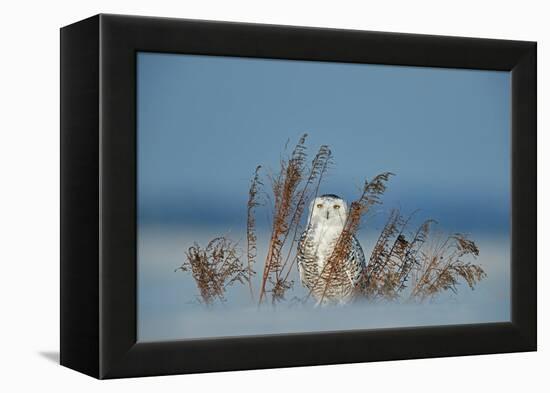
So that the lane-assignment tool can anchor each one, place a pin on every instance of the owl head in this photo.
(328, 209)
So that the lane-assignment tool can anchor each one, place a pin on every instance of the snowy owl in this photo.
(327, 216)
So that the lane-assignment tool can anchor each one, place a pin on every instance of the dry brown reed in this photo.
(443, 265)
(251, 238)
(393, 258)
(215, 268)
(293, 186)
(401, 266)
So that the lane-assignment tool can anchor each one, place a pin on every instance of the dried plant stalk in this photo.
(393, 258)
(214, 268)
(397, 259)
(292, 187)
(443, 265)
(284, 187)
(319, 167)
(251, 238)
(409, 259)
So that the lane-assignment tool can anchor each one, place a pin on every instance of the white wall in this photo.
(29, 223)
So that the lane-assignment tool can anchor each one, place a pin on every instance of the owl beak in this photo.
(328, 214)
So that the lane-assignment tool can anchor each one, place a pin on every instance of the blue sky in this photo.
(205, 122)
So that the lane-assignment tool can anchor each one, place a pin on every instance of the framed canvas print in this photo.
(238, 196)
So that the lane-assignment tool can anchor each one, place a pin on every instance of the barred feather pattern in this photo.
(329, 284)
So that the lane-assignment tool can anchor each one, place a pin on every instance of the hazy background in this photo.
(204, 123)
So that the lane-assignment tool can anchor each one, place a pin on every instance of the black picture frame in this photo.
(98, 196)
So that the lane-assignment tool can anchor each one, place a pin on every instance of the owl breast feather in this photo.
(336, 281)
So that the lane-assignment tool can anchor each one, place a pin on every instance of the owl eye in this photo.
(319, 205)
(336, 206)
